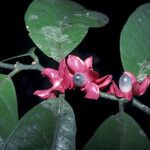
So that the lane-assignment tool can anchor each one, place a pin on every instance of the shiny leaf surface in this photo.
(49, 125)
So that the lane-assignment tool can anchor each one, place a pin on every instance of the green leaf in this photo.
(8, 107)
(49, 125)
(119, 132)
(135, 41)
(58, 26)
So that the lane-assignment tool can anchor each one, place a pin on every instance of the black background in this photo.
(101, 43)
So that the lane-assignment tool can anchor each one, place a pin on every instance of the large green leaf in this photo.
(8, 107)
(58, 26)
(135, 41)
(48, 126)
(119, 132)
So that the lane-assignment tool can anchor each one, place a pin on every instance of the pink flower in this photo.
(76, 73)
(129, 86)
(60, 80)
(85, 77)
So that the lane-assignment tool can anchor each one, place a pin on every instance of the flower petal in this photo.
(65, 75)
(118, 93)
(92, 75)
(140, 88)
(133, 78)
(104, 81)
(129, 96)
(75, 64)
(92, 91)
(88, 62)
(67, 82)
(51, 74)
(45, 94)
(62, 68)
(57, 86)
(115, 90)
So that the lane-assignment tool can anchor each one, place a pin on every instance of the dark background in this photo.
(101, 43)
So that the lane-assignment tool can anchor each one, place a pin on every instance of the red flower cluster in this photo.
(73, 72)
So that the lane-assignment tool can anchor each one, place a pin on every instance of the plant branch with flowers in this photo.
(51, 124)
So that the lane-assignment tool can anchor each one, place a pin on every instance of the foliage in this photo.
(43, 127)
(8, 108)
(134, 42)
(127, 133)
(57, 27)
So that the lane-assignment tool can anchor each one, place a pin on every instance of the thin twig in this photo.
(134, 102)
(141, 106)
(20, 67)
(29, 53)
(112, 97)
